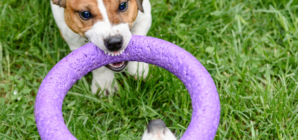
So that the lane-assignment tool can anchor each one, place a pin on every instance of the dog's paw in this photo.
(103, 89)
(138, 69)
(103, 82)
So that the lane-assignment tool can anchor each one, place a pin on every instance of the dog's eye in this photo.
(85, 15)
(123, 6)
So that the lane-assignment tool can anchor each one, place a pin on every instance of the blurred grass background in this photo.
(248, 46)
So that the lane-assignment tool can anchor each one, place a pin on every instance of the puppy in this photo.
(157, 130)
(109, 25)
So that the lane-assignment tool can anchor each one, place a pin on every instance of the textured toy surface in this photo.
(202, 90)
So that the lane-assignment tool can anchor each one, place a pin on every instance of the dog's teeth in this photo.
(105, 52)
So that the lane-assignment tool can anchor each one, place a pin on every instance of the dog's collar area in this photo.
(117, 67)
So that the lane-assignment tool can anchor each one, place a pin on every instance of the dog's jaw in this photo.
(102, 30)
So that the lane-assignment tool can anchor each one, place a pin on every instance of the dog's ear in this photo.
(140, 6)
(61, 3)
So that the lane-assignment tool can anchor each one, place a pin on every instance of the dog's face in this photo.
(106, 23)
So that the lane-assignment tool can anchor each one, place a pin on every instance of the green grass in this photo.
(250, 47)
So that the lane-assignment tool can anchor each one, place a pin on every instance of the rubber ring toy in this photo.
(205, 100)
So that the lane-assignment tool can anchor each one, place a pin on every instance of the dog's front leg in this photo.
(138, 69)
(141, 26)
(103, 78)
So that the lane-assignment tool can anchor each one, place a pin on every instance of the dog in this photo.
(109, 25)
(157, 130)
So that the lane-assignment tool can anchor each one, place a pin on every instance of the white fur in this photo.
(168, 135)
(138, 69)
(141, 26)
(103, 76)
(103, 11)
(143, 21)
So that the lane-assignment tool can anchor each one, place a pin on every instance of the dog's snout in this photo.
(114, 43)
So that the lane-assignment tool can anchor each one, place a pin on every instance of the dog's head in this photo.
(106, 23)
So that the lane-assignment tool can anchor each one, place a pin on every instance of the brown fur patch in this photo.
(116, 16)
(73, 19)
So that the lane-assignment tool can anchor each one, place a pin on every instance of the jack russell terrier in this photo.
(109, 25)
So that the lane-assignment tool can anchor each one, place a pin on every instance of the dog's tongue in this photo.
(118, 64)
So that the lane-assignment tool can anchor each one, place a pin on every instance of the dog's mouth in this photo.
(117, 67)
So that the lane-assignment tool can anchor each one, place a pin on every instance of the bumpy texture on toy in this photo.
(202, 90)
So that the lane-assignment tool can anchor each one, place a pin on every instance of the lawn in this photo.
(248, 46)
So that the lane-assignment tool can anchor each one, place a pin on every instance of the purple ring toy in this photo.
(202, 90)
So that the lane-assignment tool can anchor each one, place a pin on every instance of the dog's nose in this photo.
(114, 43)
